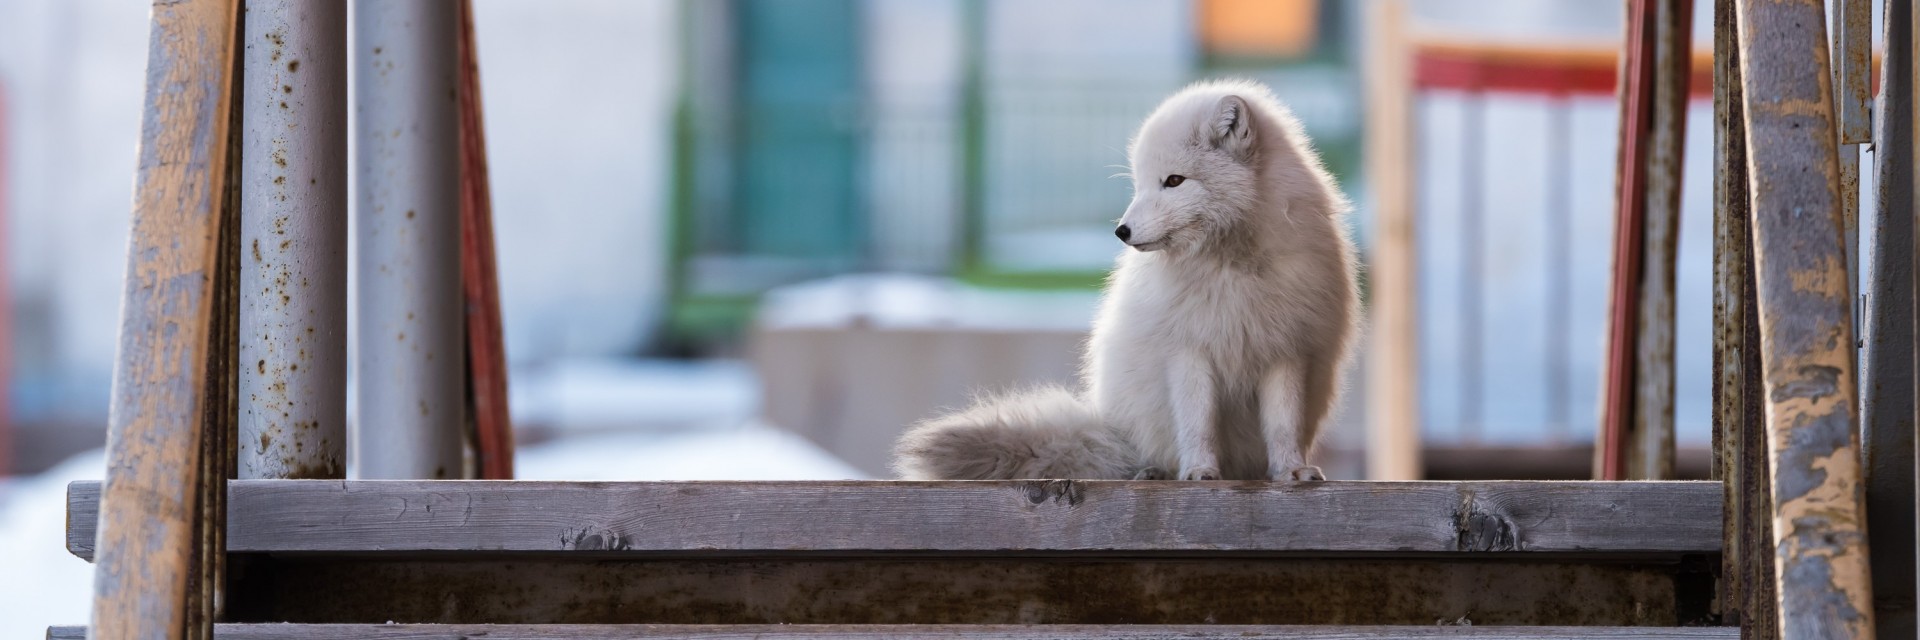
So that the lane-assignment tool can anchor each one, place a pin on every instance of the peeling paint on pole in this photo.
(293, 225)
(410, 345)
(1806, 330)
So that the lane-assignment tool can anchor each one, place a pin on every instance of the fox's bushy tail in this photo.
(1047, 432)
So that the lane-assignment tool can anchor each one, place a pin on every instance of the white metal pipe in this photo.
(293, 225)
(409, 353)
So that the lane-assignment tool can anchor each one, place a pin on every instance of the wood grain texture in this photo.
(1033, 517)
(923, 632)
(149, 508)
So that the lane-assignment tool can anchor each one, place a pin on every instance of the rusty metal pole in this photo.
(1806, 323)
(410, 344)
(1746, 584)
(293, 225)
(1636, 434)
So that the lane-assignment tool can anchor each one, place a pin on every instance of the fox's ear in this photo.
(1232, 127)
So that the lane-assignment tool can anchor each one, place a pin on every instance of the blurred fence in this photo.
(1514, 163)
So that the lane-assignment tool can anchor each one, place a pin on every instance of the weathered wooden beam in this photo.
(1806, 322)
(1019, 517)
(148, 577)
(926, 632)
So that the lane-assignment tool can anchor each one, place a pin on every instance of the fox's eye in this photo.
(1173, 181)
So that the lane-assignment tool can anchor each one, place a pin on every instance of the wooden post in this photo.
(1806, 322)
(154, 534)
(1393, 420)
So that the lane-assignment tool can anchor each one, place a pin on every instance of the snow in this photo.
(40, 583)
(906, 301)
(602, 394)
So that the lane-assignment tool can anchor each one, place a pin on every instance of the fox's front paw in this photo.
(1151, 473)
(1308, 473)
(1200, 473)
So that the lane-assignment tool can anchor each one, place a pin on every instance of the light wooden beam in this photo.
(1392, 345)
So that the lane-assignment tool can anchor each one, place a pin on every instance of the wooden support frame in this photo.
(157, 574)
(1806, 321)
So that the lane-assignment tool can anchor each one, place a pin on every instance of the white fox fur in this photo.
(1221, 338)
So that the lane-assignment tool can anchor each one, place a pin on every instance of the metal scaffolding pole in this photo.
(409, 345)
(293, 225)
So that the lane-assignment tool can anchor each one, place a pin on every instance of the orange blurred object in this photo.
(1267, 28)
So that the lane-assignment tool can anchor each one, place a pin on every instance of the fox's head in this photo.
(1195, 165)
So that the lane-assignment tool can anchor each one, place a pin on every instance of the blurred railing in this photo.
(1513, 149)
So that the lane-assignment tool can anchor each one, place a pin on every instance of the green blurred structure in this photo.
(782, 142)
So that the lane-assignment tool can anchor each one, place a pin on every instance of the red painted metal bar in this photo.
(1513, 69)
(486, 352)
(1636, 121)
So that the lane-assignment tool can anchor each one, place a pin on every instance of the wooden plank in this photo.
(1393, 424)
(1032, 517)
(150, 513)
(924, 632)
(587, 589)
(1806, 322)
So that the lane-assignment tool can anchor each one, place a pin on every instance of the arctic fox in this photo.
(1221, 337)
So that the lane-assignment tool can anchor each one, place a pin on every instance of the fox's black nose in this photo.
(1123, 233)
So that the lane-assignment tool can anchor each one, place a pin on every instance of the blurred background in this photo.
(753, 239)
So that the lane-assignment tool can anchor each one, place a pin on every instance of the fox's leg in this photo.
(1190, 394)
(1287, 422)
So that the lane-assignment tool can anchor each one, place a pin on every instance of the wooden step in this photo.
(975, 553)
(923, 632)
(1079, 518)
